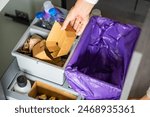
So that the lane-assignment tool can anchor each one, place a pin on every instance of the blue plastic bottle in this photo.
(40, 16)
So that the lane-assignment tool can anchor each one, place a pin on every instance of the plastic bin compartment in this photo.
(98, 66)
(35, 66)
(43, 91)
(11, 87)
(40, 88)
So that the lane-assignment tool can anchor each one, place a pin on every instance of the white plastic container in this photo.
(22, 85)
(38, 67)
(17, 95)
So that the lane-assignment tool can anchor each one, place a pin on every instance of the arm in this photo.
(78, 16)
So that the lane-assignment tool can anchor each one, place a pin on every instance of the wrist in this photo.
(91, 1)
(83, 6)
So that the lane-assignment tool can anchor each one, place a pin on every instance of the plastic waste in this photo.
(98, 66)
(47, 6)
(52, 13)
(40, 16)
(56, 15)
(49, 15)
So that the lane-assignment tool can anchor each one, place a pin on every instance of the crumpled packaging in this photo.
(57, 44)
(29, 44)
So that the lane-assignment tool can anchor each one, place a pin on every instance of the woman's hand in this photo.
(78, 16)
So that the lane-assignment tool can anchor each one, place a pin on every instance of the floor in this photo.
(10, 33)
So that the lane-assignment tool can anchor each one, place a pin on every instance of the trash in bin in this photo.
(98, 66)
(29, 44)
(44, 91)
(55, 49)
(57, 44)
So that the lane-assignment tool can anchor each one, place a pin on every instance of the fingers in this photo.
(65, 24)
(82, 26)
(80, 29)
(68, 19)
(77, 23)
(72, 23)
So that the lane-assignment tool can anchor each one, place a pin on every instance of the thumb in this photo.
(68, 19)
(65, 24)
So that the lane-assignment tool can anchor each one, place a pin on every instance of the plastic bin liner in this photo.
(99, 64)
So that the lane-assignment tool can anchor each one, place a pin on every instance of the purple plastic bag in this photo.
(99, 64)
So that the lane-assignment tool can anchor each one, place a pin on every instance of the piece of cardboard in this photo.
(38, 51)
(58, 43)
(40, 88)
(62, 38)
